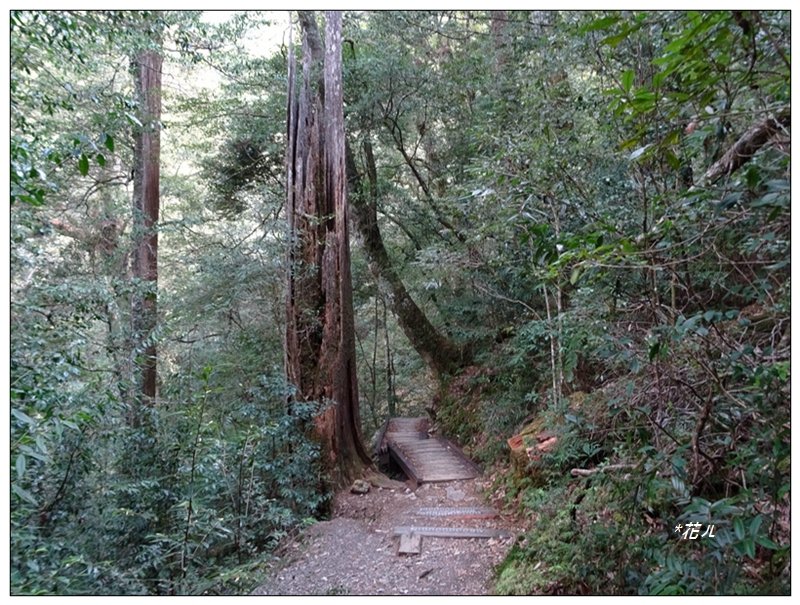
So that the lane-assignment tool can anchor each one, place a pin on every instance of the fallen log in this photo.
(743, 150)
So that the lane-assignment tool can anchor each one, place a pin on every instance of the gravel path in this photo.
(356, 552)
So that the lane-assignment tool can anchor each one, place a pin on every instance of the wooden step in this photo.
(453, 532)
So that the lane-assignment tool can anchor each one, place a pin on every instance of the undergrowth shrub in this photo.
(205, 484)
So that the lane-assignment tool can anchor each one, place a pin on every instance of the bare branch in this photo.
(588, 472)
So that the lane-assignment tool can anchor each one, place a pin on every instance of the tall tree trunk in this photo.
(440, 354)
(147, 77)
(499, 29)
(320, 338)
(391, 396)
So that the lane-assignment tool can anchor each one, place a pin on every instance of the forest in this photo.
(241, 242)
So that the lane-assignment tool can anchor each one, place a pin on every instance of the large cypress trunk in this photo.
(320, 345)
(147, 77)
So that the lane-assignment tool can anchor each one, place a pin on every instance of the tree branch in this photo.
(746, 147)
(587, 472)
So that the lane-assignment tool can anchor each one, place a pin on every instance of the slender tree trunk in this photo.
(373, 370)
(147, 76)
(320, 339)
(440, 354)
(559, 309)
(553, 363)
(500, 39)
(391, 396)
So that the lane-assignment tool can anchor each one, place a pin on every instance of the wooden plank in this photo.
(438, 470)
(412, 435)
(435, 468)
(443, 470)
(422, 471)
(459, 453)
(438, 466)
(471, 512)
(444, 478)
(429, 455)
(410, 544)
(404, 463)
(402, 440)
(416, 437)
(443, 475)
(452, 463)
(451, 468)
(461, 470)
(454, 532)
(426, 458)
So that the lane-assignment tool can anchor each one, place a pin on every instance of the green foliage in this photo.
(586, 546)
(643, 276)
(189, 496)
(714, 565)
(541, 191)
(61, 120)
(190, 491)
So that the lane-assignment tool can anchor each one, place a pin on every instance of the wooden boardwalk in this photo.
(423, 457)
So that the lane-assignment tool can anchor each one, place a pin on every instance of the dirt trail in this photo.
(356, 552)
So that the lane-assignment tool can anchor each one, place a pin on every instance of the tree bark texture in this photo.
(147, 77)
(747, 146)
(320, 337)
(440, 354)
(500, 39)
